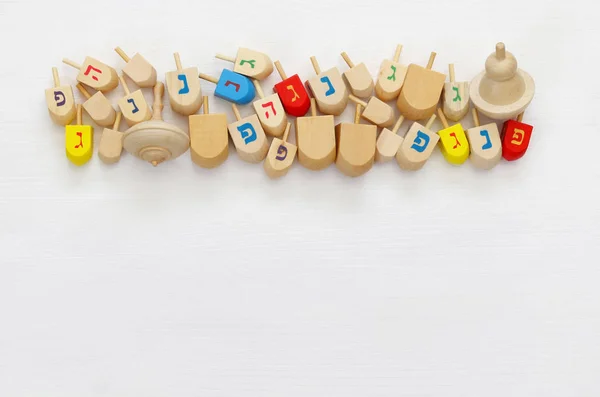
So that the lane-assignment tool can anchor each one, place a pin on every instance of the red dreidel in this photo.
(515, 138)
(291, 91)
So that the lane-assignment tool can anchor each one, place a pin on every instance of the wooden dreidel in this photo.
(502, 91)
(138, 69)
(183, 86)
(133, 105)
(156, 141)
(419, 142)
(270, 112)
(111, 143)
(60, 101)
(486, 146)
(248, 137)
(250, 63)
(515, 138)
(421, 91)
(356, 146)
(98, 107)
(456, 98)
(389, 143)
(358, 77)
(329, 89)
(315, 137)
(209, 141)
(232, 87)
(454, 143)
(95, 74)
(376, 111)
(79, 140)
(281, 156)
(391, 78)
(291, 91)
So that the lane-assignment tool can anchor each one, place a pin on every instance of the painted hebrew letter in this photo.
(518, 136)
(291, 88)
(282, 153)
(89, 69)
(457, 97)
(135, 108)
(251, 62)
(269, 104)
(185, 89)
(59, 97)
(393, 75)
(457, 142)
(80, 144)
(420, 143)
(488, 141)
(248, 132)
(330, 90)
(228, 83)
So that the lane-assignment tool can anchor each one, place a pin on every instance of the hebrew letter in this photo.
(80, 144)
(488, 142)
(89, 69)
(59, 97)
(282, 153)
(457, 97)
(457, 142)
(296, 96)
(330, 90)
(135, 108)
(269, 104)
(248, 133)
(228, 83)
(518, 136)
(185, 88)
(251, 62)
(420, 143)
(393, 75)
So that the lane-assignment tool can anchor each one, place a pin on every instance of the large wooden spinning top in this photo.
(156, 141)
(502, 91)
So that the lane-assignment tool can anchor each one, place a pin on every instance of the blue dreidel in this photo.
(232, 87)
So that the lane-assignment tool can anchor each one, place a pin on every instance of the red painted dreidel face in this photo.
(515, 139)
(293, 95)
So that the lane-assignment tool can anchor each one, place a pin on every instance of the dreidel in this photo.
(248, 137)
(419, 142)
(111, 143)
(421, 91)
(281, 156)
(456, 97)
(376, 111)
(328, 89)
(133, 105)
(270, 112)
(95, 74)
(183, 86)
(291, 91)
(232, 87)
(515, 138)
(454, 143)
(138, 69)
(358, 77)
(389, 143)
(486, 146)
(315, 137)
(60, 101)
(391, 77)
(79, 140)
(356, 146)
(250, 63)
(209, 141)
(98, 107)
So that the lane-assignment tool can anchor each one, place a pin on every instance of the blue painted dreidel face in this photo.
(234, 87)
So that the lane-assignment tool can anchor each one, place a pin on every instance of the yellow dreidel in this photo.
(315, 137)
(270, 112)
(389, 142)
(183, 86)
(329, 89)
(391, 78)
(356, 146)
(250, 63)
(95, 74)
(60, 101)
(209, 140)
(133, 105)
(98, 107)
(455, 146)
(281, 156)
(456, 98)
(138, 69)
(419, 142)
(79, 140)
(376, 111)
(248, 137)
(111, 143)
(358, 77)
(485, 142)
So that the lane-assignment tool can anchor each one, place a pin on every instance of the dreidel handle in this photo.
(225, 58)
(79, 114)
(315, 65)
(430, 122)
(357, 113)
(259, 90)
(347, 59)
(124, 83)
(357, 100)
(71, 63)
(117, 121)
(398, 52)
(177, 61)
(157, 106)
(520, 117)
(55, 77)
(122, 54)
(83, 91)
(476, 117)
(236, 112)
(451, 70)
(205, 104)
(280, 70)
(442, 117)
(313, 107)
(431, 60)
(287, 132)
(208, 78)
(398, 124)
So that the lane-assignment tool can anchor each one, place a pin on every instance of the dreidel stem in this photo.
(157, 107)
(315, 65)
(208, 78)
(398, 124)
(205, 104)
(357, 100)
(313, 107)
(430, 122)
(398, 52)
(280, 70)
(225, 58)
(357, 113)
(520, 117)
(79, 114)
(476, 117)
(83, 91)
(431, 60)
(55, 77)
(122, 54)
(442, 117)
(287, 132)
(348, 60)
(117, 122)
(124, 83)
(259, 90)
(236, 112)
(451, 69)
(177, 61)
(71, 63)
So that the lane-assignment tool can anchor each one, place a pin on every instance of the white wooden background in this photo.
(133, 281)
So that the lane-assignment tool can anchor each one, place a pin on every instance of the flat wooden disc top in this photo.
(156, 141)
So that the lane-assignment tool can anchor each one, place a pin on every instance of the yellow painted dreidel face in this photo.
(248, 137)
(60, 101)
(95, 74)
(391, 78)
(281, 156)
(138, 69)
(455, 146)
(389, 143)
(456, 98)
(315, 137)
(79, 141)
(329, 90)
(358, 77)
(98, 107)
(250, 63)
(485, 142)
(111, 143)
(418, 145)
(270, 112)
(376, 111)
(209, 141)
(356, 146)
(133, 105)
(183, 86)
